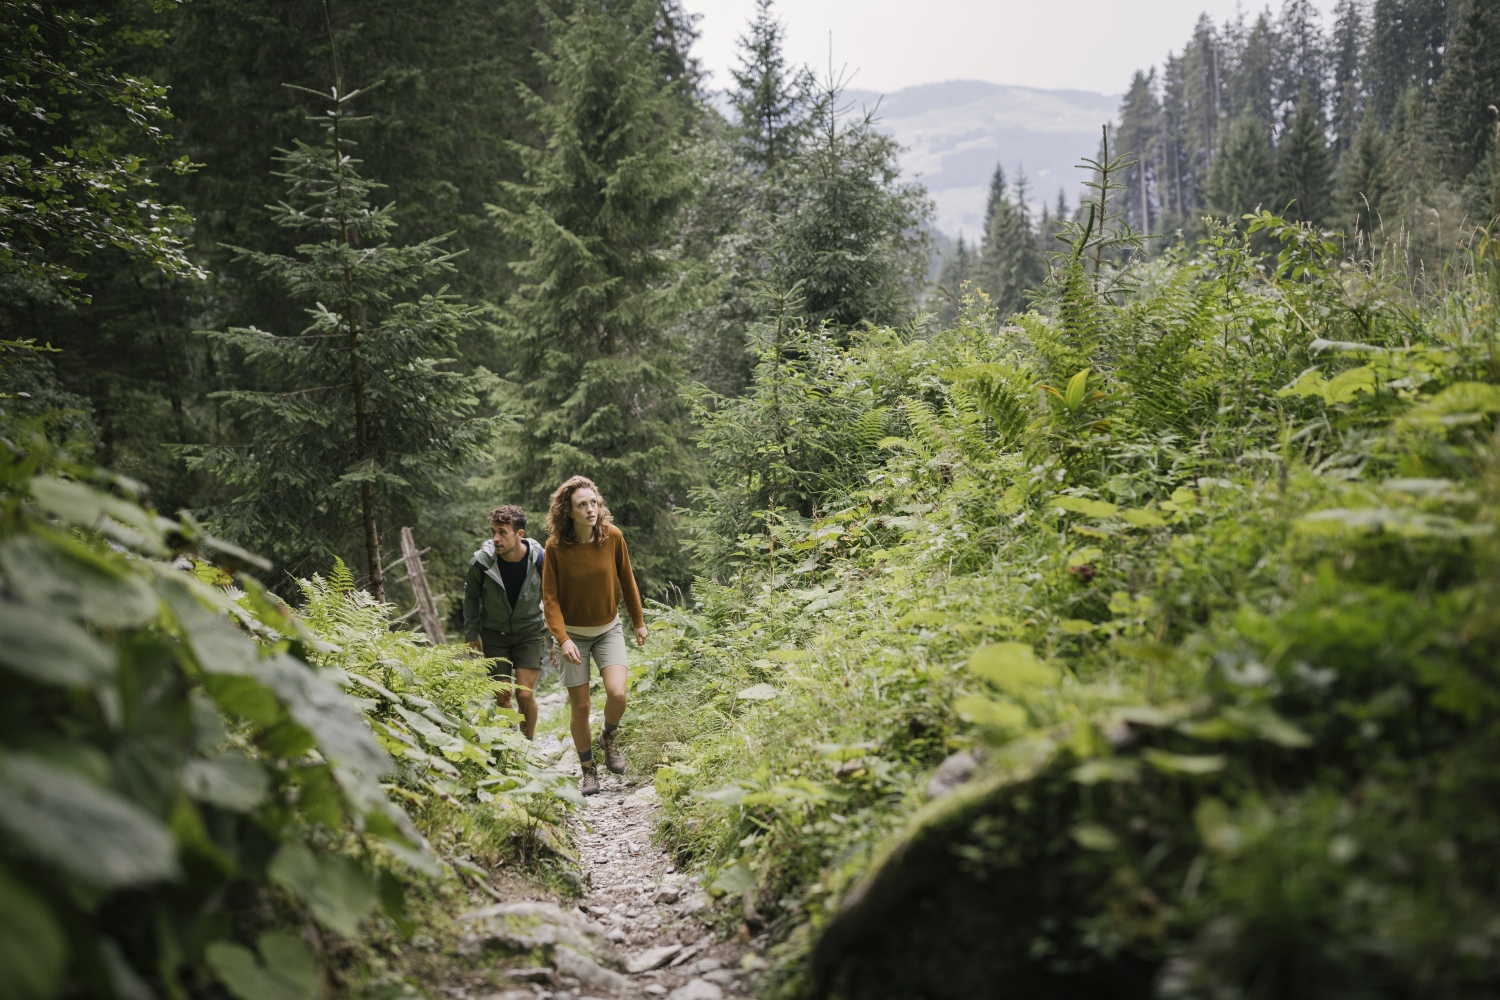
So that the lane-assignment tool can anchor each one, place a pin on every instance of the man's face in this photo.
(507, 539)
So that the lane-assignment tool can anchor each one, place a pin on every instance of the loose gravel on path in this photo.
(653, 914)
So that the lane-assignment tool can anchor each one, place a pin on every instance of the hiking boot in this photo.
(614, 759)
(589, 783)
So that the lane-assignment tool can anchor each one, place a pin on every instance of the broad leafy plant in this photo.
(179, 781)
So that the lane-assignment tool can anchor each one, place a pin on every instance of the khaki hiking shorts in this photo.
(607, 649)
(512, 651)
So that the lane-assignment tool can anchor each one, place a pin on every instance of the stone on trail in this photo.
(955, 769)
(655, 989)
(690, 951)
(698, 989)
(526, 926)
(653, 958)
(539, 974)
(586, 970)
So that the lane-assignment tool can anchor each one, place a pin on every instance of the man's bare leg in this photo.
(526, 700)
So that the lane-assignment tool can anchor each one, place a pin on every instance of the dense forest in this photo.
(1381, 126)
(1112, 614)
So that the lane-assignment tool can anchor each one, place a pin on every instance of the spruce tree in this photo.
(1300, 59)
(1203, 94)
(1011, 263)
(851, 233)
(1140, 125)
(770, 100)
(997, 196)
(956, 271)
(1346, 56)
(355, 421)
(1242, 175)
(1302, 169)
(1363, 180)
(1406, 51)
(1463, 123)
(743, 191)
(1252, 81)
(589, 332)
(1060, 219)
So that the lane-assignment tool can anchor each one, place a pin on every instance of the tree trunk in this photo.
(417, 574)
(372, 540)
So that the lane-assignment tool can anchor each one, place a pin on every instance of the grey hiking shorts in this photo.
(607, 649)
(512, 651)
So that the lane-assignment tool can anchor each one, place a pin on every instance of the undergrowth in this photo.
(487, 803)
(1200, 572)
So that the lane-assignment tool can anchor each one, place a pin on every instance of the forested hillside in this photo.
(1113, 614)
(1378, 126)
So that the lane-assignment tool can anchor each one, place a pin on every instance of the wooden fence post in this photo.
(417, 574)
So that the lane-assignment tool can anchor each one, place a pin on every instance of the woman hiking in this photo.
(585, 573)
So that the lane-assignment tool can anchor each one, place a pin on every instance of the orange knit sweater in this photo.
(582, 584)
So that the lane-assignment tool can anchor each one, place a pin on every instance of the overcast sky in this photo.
(1080, 44)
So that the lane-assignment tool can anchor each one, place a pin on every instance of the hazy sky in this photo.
(1082, 44)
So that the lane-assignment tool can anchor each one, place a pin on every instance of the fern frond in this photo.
(340, 579)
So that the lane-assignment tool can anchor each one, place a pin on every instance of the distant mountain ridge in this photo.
(956, 131)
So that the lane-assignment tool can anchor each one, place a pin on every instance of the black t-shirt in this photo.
(513, 575)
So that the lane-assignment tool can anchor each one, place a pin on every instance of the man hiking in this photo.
(503, 609)
(587, 576)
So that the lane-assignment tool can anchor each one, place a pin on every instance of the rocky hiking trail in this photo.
(639, 930)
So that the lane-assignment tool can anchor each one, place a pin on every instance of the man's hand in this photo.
(640, 636)
(477, 646)
(570, 650)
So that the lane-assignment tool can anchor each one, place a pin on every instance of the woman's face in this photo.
(585, 507)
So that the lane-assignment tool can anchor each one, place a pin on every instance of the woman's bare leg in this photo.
(614, 693)
(578, 722)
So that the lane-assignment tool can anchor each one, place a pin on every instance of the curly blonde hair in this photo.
(560, 512)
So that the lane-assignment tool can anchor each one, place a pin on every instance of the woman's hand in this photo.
(570, 651)
(640, 636)
(477, 646)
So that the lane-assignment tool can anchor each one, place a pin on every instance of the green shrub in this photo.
(187, 792)
(179, 780)
(1214, 613)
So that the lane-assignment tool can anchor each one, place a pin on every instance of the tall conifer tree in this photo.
(1302, 169)
(1346, 56)
(1252, 83)
(1300, 59)
(1140, 125)
(589, 331)
(1203, 66)
(851, 234)
(956, 272)
(770, 99)
(1463, 123)
(1363, 180)
(1010, 261)
(746, 188)
(357, 419)
(1243, 174)
(1406, 51)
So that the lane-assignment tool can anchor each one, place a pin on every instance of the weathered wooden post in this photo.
(417, 574)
